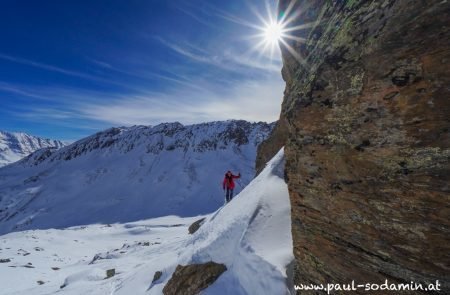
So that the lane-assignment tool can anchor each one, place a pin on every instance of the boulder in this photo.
(193, 278)
(110, 273)
(156, 276)
(270, 147)
(195, 226)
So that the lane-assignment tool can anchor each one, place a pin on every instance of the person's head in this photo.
(228, 173)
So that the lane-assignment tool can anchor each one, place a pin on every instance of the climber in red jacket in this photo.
(228, 184)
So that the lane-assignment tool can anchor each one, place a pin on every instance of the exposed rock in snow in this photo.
(195, 226)
(156, 276)
(193, 278)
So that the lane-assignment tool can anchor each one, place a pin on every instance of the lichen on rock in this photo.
(367, 151)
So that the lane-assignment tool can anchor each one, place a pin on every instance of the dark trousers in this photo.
(229, 194)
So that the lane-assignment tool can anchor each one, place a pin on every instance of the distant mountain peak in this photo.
(17, 145)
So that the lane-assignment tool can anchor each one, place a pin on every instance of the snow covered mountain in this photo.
(251, 236)
(16, 145)
(128, 174)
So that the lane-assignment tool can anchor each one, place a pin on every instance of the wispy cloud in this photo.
(187, 9)
(217, 76)
(249, 100)
(252, 101)
(5, 87)
(229, 59)
(50, 113)
(146, 75)
(47, 67)
(187, 52)
(53, 94)
(100, 63)
(67, 72)
(213, 11)
(239, 52)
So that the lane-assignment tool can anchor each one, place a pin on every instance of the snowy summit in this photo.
(17, 145)
(128, 174)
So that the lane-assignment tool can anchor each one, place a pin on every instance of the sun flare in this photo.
(277, 31)
(273, 33)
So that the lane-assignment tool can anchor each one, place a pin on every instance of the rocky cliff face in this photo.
(367, 157)
(270, 147)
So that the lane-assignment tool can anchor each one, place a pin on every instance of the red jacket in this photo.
(228, 182)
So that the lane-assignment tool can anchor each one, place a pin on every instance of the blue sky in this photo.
(71, 68)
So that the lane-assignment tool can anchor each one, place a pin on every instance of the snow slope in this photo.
(15, 146)
(251, 236)
(128, 174)
(54, 256)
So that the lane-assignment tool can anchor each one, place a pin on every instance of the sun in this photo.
(273, 33)
(276, 32)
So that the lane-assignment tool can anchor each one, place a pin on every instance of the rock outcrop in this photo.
(156, 276)
(195, 226)
(193, 278)
(270, 147)
(110, 273)
(367, 156)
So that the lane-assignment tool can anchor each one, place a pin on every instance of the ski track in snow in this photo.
(251, 236)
